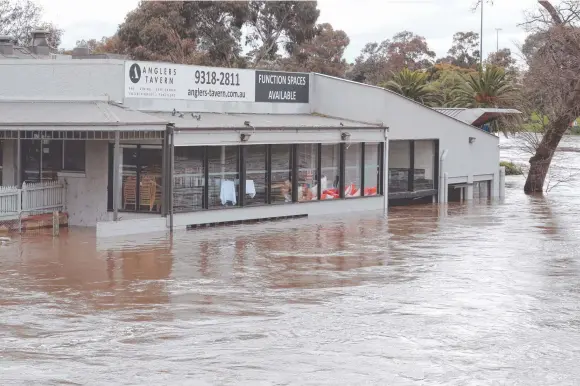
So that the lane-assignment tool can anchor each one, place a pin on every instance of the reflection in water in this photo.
(460, 294)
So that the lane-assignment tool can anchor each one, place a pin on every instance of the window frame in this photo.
(60, 171)
(242, 157)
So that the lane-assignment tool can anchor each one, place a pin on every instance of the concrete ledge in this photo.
(312, 209)
(181, 221)
(131, 227)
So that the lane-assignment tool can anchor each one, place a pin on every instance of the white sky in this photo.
(363, 20)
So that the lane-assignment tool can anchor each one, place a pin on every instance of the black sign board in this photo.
(282, 87)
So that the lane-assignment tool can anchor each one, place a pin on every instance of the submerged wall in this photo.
(86, 194)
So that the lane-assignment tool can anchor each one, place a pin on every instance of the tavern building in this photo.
(146, 147)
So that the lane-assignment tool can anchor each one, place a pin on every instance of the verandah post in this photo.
(116, 175)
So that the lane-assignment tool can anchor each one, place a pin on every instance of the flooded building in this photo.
(143, 146)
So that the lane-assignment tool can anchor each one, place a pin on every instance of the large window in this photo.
(224, 178)
(218, 177)
(307, 172)
(372, 169)
(256, 175)
(424, 165)
(43, 159)
(353, 162)
(141, 188)
(188, 179)
(399, 166)
(330, 169)
(281, 191)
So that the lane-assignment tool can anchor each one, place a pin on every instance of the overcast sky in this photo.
(363, 20)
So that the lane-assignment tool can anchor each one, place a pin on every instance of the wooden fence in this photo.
(32, 199)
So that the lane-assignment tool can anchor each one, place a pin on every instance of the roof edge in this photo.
(103, 98)
(410, 100)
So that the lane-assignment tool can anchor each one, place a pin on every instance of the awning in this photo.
(476, 117)
(190, 120)
(75, 116)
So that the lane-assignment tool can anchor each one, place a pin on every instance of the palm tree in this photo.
(489, 88)
(414, 85)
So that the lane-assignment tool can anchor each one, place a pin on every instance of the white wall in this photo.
(409, 120)
(56, 79)
(217, 107)
(86, 197)
(315, 208)
(90, 78)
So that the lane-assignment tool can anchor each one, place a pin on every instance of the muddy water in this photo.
(487, 293)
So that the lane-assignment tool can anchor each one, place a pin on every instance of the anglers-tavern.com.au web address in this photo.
(201, 93)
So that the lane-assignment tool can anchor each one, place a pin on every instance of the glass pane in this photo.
(399, 165)
(255, 175)
(223, 162)
(352, 170)
(129, 178)
(424, 165)
(74, 156)
(188, 179)
(281, 174)
(372, 169)
(150, 162)
(307, 165)
(330, 172)
(51, 159)
(30, 160)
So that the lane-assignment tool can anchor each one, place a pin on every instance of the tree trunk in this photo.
(540, 162)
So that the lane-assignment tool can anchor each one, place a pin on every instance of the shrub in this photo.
(511, 169)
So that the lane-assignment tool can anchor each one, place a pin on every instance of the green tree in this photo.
(323, 54)
(445, 78)
(18, 18)
(414, 85)
(465, 50)
(377, 61)
(276, 27)
(503, 58)
(202, 32)
(551, 81)
(488, 88)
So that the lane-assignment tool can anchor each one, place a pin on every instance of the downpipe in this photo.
(442, 180)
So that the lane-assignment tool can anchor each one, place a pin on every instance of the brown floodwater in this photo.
(486, 293)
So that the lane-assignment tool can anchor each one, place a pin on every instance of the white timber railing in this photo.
(34, 198)
(10, 202)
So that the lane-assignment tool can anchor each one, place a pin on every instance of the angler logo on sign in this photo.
(175, 81)
(135, 73)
